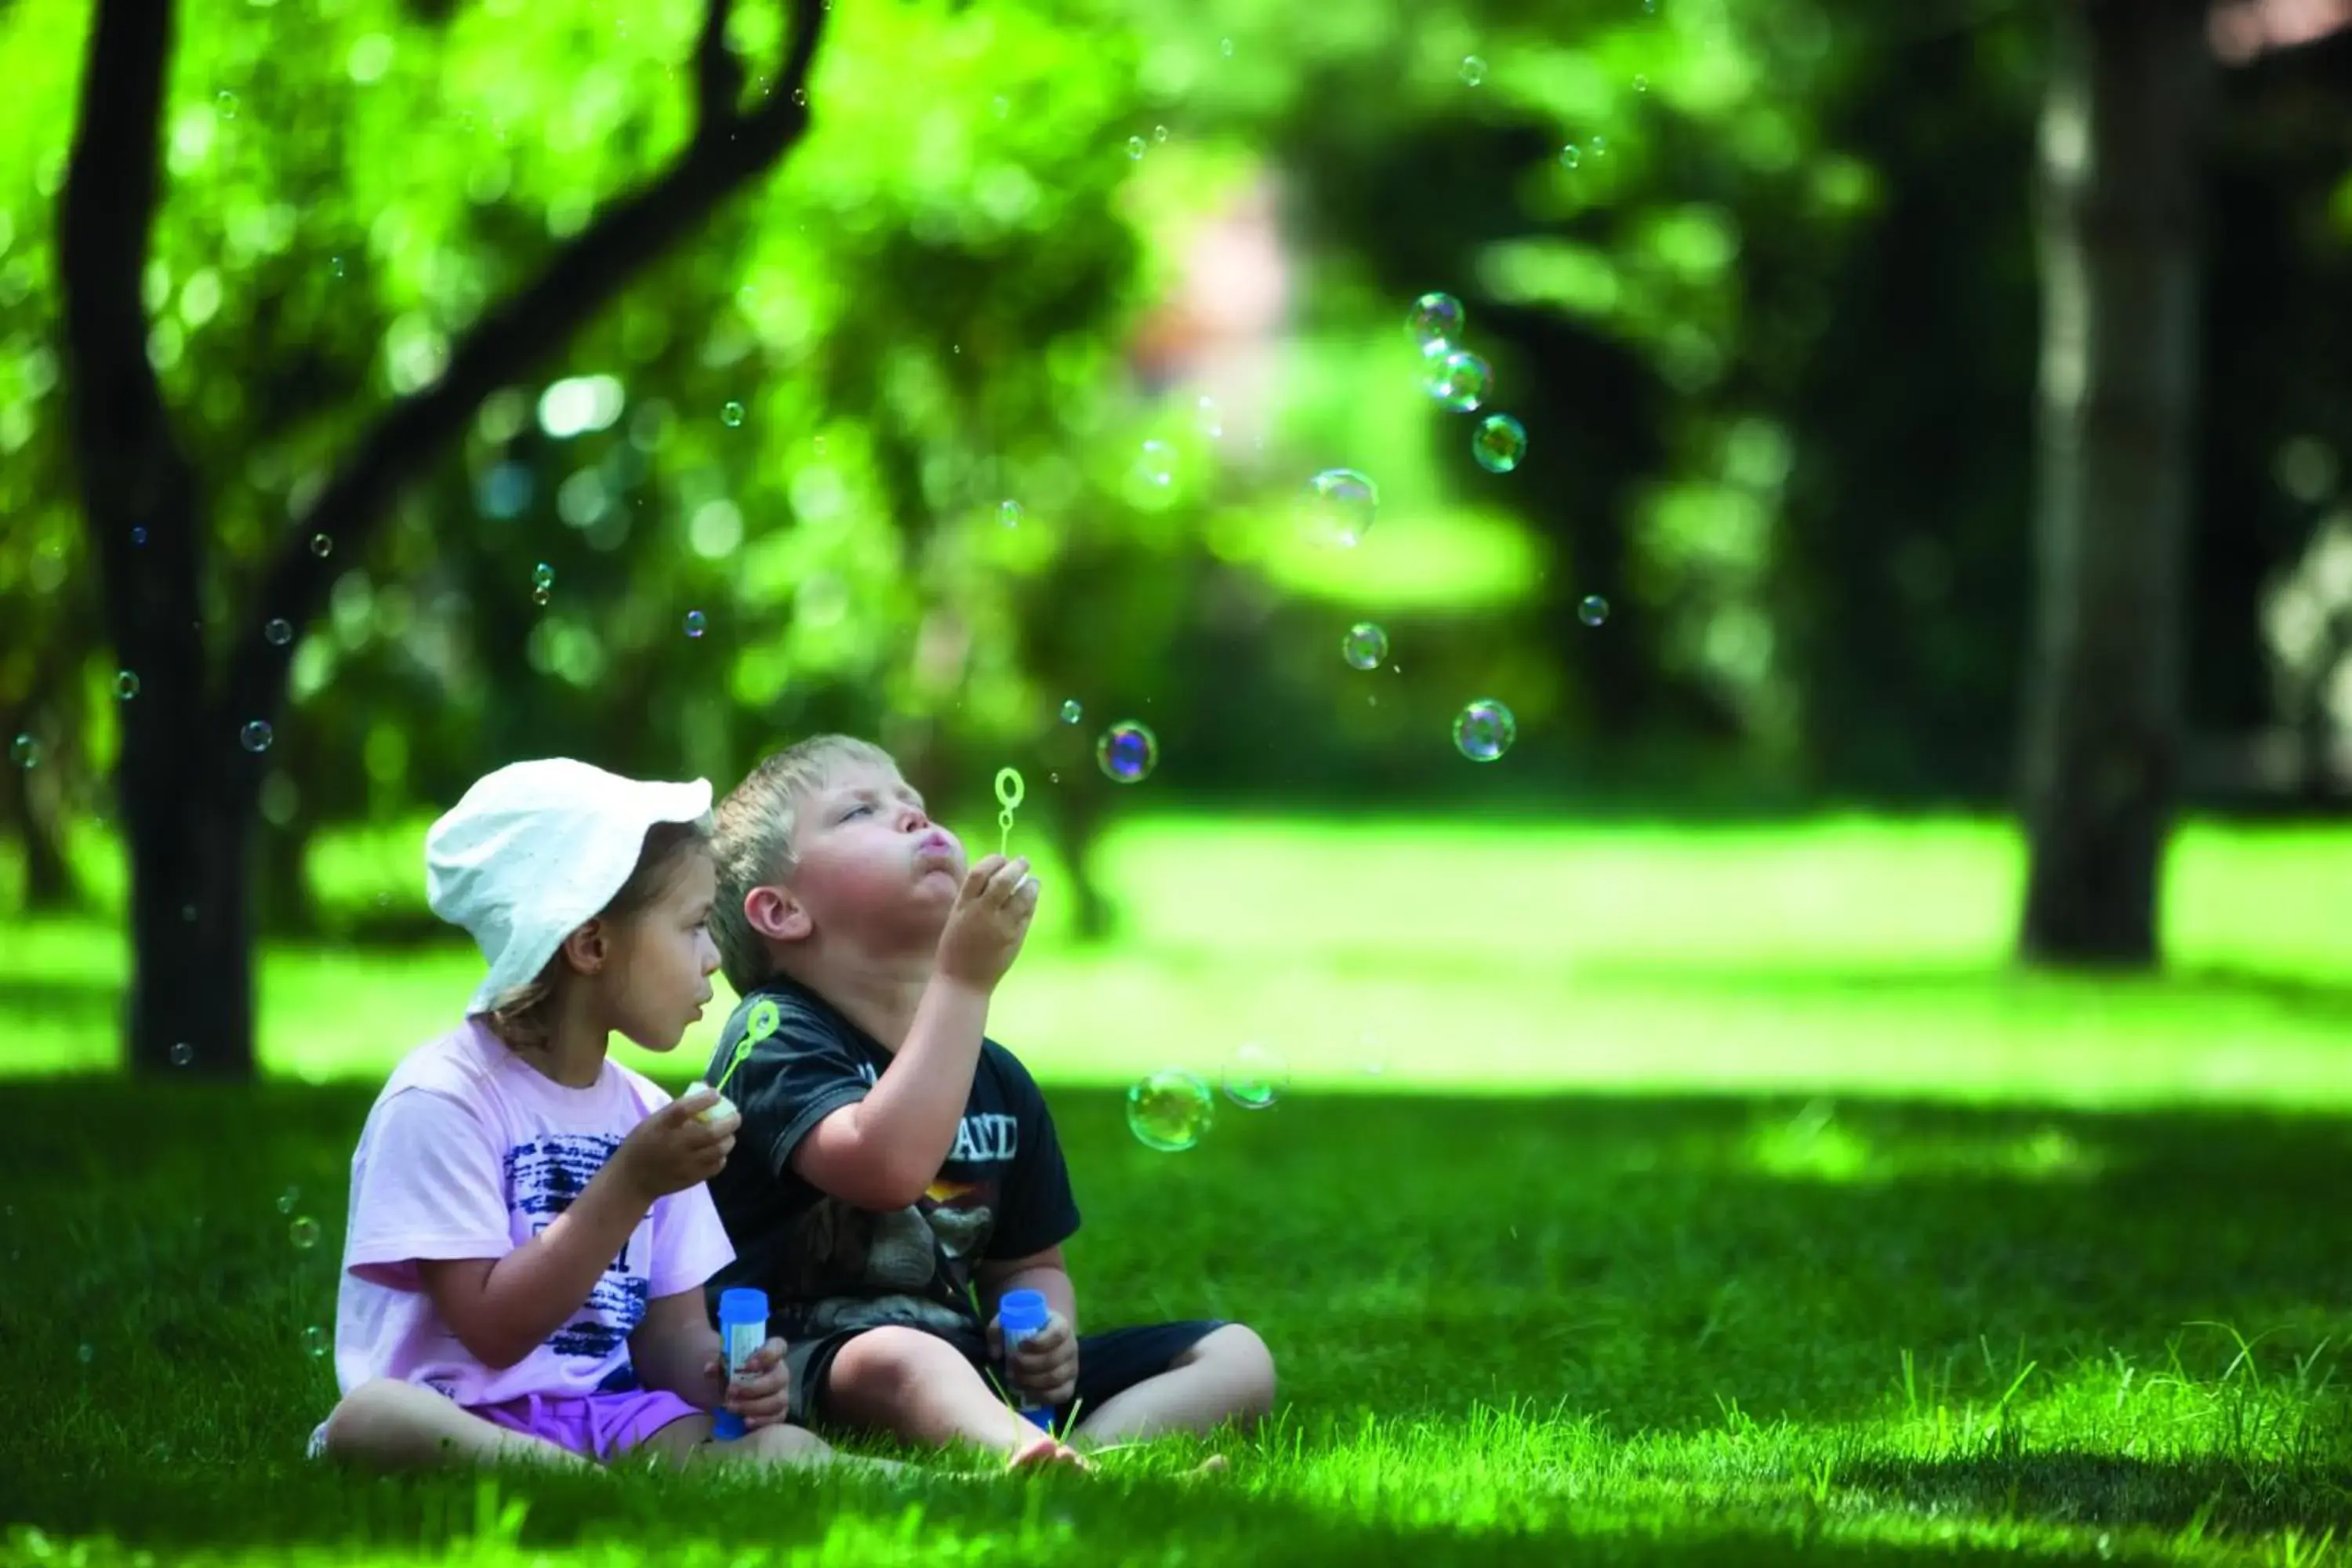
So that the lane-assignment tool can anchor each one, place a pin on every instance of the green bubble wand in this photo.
(762, 1023)
(1009, 794)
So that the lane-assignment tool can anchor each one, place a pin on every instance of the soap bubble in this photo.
(1598, 147)
(126, 684)
(1210, 419)
(86, 1353)
(255, 737)
(1474, 69)
(1160, 134)
(542, 576)
(1135, 146)
(138, 536)
(1255, 1078)
(1460, 381)
(1072, 712)
(321, 546)
(730, 413)
(1009, 514)
(317, 1341)
(288, 1199)
(696, 623)
(279, 632)
(25, 752)
(1641, 84)
(225, 103)
(1364, 646)
(1569, 157)
(1485, 730)
(1156, 464)
(1499, 444)
(335, 265)
(183, 1054)
(1338, 507)
(1592, 609)
(1226, 47)
(1127, 752)
(1435, 319)
(303, 1233)
(1170, 1109)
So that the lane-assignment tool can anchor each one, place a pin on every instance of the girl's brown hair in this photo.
(521, 1017)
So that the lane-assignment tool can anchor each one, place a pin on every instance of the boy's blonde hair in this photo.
(523, 1017)
(753, 841)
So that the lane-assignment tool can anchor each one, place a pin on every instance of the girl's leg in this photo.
(687, 1441)
(391, 1425)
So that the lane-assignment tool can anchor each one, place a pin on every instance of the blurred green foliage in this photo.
(1770, 331)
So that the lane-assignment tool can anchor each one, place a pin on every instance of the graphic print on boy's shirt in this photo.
(829, 1266)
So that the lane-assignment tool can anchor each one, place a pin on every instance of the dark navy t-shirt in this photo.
(1003, 1192)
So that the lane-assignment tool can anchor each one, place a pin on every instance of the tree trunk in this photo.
(188, 785)
(2119, 176)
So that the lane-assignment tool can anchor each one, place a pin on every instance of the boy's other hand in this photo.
(674, 1147)
(762, 1391)
(1045, 1367)
(988, 923)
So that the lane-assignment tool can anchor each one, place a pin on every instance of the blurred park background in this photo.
(657, 385)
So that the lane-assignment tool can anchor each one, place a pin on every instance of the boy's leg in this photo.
(1226, 1373)
(920, 1387)
(391, 1425)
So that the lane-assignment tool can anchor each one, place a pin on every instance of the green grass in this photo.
(1871, 1252)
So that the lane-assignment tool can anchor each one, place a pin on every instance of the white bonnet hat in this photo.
(534, 850)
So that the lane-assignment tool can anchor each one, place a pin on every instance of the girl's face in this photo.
(659, 980)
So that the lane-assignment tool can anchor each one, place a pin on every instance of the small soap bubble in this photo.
(317, 1341)
(183, 1054)
(1127, 752)
(1474, 69)
(1649, 7)
(1598, 147)
(1460, 381)
(1569, 157)
(1170, 1109)
(278, 632)
(1160, 134)
(224, 104)
(25, 752)
(731, 414)
(138, 536)
(126, 684)
(303, 1233)
(1499, 443)
(335, 265)
(1226, 47)
(256, 736)
(1135, 145)
(1210, 419)
(1255, 1078)
(1485, 730)
(1009, 514)
(1338, 507)
(1436, 321)
(1364, 646)
(1072, 712)
(1641, 84)
(288, 1199)
(86, 1353)
(696, 623)
(321, 546)
(542, 576)
(1592, 609)
(1157, 463)
(1002, 106)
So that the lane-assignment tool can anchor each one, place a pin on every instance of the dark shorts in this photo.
(1109, 1363)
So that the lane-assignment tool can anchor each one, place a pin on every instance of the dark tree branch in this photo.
(122, 431)
(728, 149)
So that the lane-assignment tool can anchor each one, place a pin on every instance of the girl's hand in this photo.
(762, 1391)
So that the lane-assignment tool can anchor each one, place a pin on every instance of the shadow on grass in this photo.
(2064, 1487)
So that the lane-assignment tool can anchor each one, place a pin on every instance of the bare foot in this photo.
(1042, 1451)
(1214, 1465)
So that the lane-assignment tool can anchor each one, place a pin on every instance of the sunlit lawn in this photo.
(1872, 1251)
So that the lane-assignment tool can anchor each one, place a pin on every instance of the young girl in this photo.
(529, 1232)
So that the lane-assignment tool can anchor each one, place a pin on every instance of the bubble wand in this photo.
(762, 1023)
(1008, 793)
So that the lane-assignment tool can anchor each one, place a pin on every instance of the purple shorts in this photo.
(600, 1425)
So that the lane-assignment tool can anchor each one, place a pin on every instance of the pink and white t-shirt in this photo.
(470, 1151)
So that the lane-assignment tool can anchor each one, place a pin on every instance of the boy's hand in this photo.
(674, 1147)
(1045, 1367)
(761, 1392)
(988, 923)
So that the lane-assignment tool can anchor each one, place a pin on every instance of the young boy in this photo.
(897, 1172)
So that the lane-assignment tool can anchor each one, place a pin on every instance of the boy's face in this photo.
(663, 959)
(869, 863)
